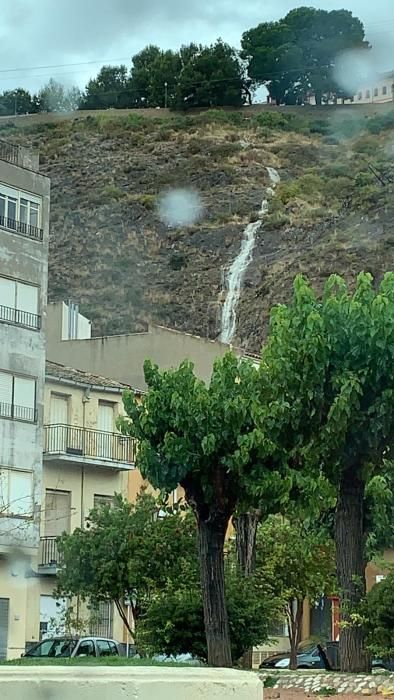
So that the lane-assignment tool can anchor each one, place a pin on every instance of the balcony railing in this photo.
(11, 410)
(48, 553)
(23, 229)
(21, 318)
(9, 152)
(94, 444)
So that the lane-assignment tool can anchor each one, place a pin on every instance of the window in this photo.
(86, 648)
(360, 96)
(102, 620)
(16, 492)
(384, 90)
(4, 616)
(103, 648)
(113, 648)
(367, 94)
(376, 92)
(57, 512)
(279, 629)
(17, 397)
(100, 501)
(20, 212)
(19, 303)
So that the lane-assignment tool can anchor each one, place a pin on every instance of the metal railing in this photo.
(9, 152)
(84, 442)
(11, 410)
(22, 318)
(48, 554)
(23, 229)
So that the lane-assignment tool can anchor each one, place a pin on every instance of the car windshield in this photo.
(54, 648)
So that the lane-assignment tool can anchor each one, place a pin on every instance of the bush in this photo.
(220, 116)
(375, 125)
(379, 618)
(281, 122)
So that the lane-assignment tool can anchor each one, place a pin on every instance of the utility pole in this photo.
(15, 102)
(165, 94)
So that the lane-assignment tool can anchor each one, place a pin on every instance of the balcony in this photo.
(65, 443)
(10, 153)
(48, 556)
(20, 318)
(21, 228)
(23, 413)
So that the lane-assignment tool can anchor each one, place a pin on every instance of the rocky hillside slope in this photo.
(109, 250)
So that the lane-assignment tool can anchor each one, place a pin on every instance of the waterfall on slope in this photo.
(236, 272)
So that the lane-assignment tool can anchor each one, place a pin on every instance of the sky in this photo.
(38, 37)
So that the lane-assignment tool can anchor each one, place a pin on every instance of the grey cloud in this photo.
(42, 32)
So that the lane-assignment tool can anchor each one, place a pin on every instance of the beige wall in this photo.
(122, 357)
(83, 481)
(14, 585)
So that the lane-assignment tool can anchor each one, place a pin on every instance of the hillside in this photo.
(110, 252)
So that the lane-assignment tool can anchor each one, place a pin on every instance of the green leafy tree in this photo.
(17, 101)
(297, 54)
(204, 438)
(127, 552)
(143, 74)
(213, 77)
(301, 562)
(111, 88)
(378, 612)
(174, 620)
(330, 358)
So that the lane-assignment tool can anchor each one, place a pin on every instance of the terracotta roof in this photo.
(54, 370)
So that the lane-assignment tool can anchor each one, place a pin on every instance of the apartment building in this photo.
(24, 230)
(86, 460)
(378, 91)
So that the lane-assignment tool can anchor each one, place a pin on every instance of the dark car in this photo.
(66, 647)
(307, 657)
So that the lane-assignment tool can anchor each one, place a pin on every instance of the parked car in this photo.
(312, 657)
(63, 647)
(307, 657)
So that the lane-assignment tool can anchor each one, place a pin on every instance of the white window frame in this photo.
(8, 506)
(14, 314)
(16, 415)
(7, 193)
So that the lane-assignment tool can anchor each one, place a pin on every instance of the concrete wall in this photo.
(23, 351)
(122, 357)
(143, 683)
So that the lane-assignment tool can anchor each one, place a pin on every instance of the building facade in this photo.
(24, 232)
(379, 91)
(86, 461)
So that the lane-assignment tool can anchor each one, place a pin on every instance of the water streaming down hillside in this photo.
(236, 272)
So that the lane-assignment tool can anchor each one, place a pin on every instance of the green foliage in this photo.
(174, 621)
(331, 357)
(213, 77)
(380, 122)
(298, 53)
(281, 122)
(109, 89)
(379, 618)
(126, 552)
(379, 496)
(299, 560)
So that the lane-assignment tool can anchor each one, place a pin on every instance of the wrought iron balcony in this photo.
(48, 555)
(94, 446)
(23, 229)
(10, 153)
(24, 413)
(21, 318)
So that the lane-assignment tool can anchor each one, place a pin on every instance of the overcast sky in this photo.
(36, 33)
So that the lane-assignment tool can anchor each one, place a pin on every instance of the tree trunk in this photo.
(318, 98)
(295, 615)
(211, 542)
(349, 540)
(246, 530)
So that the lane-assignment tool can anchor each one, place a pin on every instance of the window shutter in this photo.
(21, 492)
(5, 394)
(59, 410)
(24, 392)
(7, 292)
(4, 614)
(27, 298)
